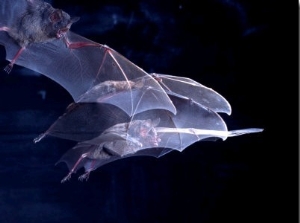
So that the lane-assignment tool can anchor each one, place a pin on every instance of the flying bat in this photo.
(110, 134)
(36, 36)
(151, 133)
(119, 110)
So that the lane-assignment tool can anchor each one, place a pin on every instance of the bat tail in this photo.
(243, 131)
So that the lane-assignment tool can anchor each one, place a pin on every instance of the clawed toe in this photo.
(8, 68)
(68, 177)
(84, 176)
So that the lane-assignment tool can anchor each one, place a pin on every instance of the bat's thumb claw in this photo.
(66, 178)
(39, 138)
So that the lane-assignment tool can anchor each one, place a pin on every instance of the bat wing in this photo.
(125, 140)
(186, 87)
(192, 122)
(104, 149)
(85, 121)
(90, 72)
(9, 11)
(139, 137)
(178, 131)
(90, 155)
(119, 110)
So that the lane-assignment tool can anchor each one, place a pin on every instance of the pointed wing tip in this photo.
(226, 106)
(244, 131)
(60, 161)
(227, 111)
(254, 130)
(69, 166)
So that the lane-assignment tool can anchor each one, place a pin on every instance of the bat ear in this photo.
(155, 122)
(74, 19)
(56, 16)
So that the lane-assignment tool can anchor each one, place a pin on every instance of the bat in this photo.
(36, 36)
(114, 135)
(151, 133)
(119, 110)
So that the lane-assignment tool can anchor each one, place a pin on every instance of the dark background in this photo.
(243, 49)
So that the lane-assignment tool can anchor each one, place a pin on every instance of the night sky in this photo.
(243, 49)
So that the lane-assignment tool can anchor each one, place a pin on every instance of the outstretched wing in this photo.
(85, 121)
(139, 135)
(80, 65)
(186, 87)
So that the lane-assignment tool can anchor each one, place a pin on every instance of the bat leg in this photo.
(9, 67)
(68, 177)
(39, 138)
(84, 176)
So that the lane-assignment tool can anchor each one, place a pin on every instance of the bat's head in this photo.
(144, 131)
(60, 23)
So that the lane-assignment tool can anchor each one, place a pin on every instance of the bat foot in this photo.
(84, 176)
(8, 68)
(66, 178)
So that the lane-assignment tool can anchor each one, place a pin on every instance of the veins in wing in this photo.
(105, 90)
(109, 52)
(106, 58)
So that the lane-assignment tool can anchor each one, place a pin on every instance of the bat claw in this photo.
(8, 68)
(84, 176)
(39, 138)
(66, 178)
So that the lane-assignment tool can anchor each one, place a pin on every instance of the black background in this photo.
(243, 49)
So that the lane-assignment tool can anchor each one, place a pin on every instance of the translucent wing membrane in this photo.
(119, 110)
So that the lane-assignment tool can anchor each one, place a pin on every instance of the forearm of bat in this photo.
(76, 45)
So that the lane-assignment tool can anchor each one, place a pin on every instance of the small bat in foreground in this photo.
(119, 110)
